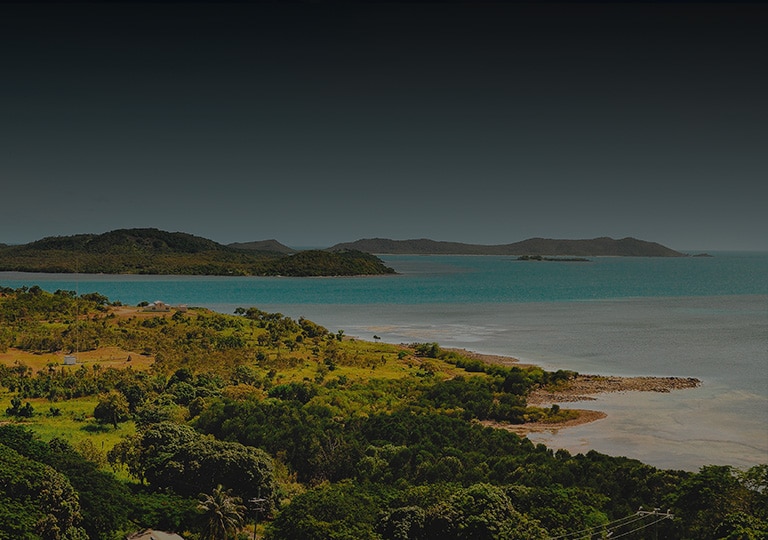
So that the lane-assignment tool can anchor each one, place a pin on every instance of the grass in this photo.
(75, 423)
(103, 356)
(348, 363)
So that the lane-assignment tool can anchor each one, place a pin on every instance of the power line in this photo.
(641, 527)
(611, 524)
(614, 526)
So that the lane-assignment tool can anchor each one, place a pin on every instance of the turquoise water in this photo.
(443, 280)
(697, 317)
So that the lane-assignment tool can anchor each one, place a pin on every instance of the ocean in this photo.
(703, 317)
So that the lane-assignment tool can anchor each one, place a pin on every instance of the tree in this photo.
(175, 456)
(404, 523)
(222, 514)
(103, 500)
(17, 409)
(35, 497)
(341, 511)
(112, 408)
(481, 511)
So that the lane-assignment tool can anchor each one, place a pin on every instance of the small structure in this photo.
(70, 360)
(158, 305)
(150, 534)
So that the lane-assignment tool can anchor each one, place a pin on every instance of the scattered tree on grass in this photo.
(112, 408)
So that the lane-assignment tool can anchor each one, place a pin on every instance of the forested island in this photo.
(119, 419)
(152, 251)
(595, 247)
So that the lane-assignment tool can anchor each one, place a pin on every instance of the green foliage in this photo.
(342, 511)
(103, 501)
(301, 392)
(370, 440)
(36, 501)
(428, 350)
(327, 263)
(559, 509)
(176, 457)
(222, 514)
(112, 408)
(19, 410)
(720, 502)
(348, 510)
(161, 511)
(483, 511)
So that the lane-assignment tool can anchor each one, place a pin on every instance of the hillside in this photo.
(596, 247)
(165, 411)
(271, 246)
(152, 251)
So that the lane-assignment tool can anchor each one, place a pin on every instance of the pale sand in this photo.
(584, 417)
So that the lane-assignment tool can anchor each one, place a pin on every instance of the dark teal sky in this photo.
(321, 123)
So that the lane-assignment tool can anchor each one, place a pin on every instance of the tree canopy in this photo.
(335, 437)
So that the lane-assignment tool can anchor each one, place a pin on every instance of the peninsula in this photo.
(190, 405)
(152, 251)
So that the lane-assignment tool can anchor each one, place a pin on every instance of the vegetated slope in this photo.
(595, 247)
(128, 241)
(332, 434)
(152, 251)
(272, 246)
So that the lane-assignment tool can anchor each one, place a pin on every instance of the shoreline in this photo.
(580, 388)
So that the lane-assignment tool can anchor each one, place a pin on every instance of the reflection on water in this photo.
(720, 340)
(680, 430)
(691, 317)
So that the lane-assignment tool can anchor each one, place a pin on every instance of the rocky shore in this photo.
(581, 388)
(585, 387)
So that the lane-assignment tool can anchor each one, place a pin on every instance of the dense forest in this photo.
(151, 251)
(118, 419)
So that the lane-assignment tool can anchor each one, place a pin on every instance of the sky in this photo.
(315, 123)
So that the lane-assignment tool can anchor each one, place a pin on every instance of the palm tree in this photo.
(222, 514)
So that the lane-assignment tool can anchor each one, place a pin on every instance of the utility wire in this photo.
(613, 526)
(641, 527)
(610, 525)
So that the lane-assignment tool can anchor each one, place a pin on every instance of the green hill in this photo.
(152, 251)
(272, 246)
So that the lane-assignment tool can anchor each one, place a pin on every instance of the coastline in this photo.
(581, 388)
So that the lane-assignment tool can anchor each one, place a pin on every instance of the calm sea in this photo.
(697, 317)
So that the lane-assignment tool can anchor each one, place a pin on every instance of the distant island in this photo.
(152, 251)
(551, 259)
(544, 247)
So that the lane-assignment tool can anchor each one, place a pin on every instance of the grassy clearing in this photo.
(104, 357)
(75, 423)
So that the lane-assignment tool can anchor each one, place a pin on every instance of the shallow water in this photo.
(719, 340)
(689, 317)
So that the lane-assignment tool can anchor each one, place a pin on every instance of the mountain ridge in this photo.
(271, 245)
(596, 247)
